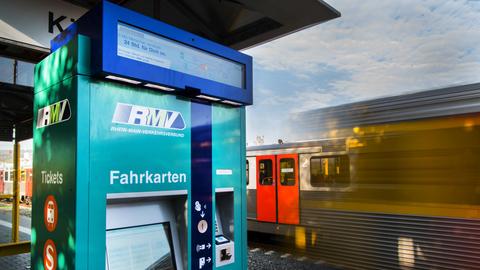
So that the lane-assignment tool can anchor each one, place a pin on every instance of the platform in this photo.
(257, 259)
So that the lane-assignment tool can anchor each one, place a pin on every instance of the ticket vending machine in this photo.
(139, 148)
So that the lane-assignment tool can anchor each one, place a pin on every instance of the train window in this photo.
(9, 175)
(266, 172)
(332, 171)
(287, 172)
(247, 172)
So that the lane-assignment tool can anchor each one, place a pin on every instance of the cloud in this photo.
(387, 47)
(270, 115)
(299, 100)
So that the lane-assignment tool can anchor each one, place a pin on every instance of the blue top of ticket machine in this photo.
(145, 51)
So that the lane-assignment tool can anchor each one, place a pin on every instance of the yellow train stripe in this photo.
(434, 210)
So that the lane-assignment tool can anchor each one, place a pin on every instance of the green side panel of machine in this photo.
(55, 128)
(54, 174)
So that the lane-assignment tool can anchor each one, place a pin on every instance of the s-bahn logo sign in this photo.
(50, 261)
(148, 117)
(54, 114)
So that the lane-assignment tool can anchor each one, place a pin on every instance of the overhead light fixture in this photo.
(160, 87)
(208, 97)
(231, 102)
(111, 77)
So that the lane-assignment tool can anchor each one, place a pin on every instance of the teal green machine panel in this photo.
(111, 157)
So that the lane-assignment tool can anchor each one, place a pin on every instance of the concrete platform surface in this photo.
(16, 262)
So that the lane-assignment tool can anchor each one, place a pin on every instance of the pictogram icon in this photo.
(50, 212)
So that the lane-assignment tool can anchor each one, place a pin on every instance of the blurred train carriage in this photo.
(393, 184)
(6, 183)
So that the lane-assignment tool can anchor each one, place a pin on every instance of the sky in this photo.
(375, 49)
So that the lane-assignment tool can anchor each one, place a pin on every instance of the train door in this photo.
(266, 191)
(287, 189)
(28, 183)
(278, 189)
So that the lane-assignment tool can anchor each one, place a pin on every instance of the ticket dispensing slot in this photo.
(146, 234)
(224, 229)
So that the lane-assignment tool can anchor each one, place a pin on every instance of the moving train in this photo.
(390, 183)
(26, 177)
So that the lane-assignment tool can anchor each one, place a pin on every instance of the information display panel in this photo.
(140, 45)
(140, 50)
(142, 247)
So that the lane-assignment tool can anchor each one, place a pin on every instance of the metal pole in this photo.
(16, 192)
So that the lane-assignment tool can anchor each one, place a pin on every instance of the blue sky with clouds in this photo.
(377, 48)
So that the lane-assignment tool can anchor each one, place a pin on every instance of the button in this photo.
(202, 226)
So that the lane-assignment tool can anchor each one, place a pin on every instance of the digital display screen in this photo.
(146, 247)
(140, 45)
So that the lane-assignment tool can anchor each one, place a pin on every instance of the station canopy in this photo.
(239, 24)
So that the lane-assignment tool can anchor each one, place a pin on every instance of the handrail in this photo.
(16, 193)
(14, 248)
(6, 196)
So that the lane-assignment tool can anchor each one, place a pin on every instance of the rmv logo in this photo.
(54, 114)
(149, 117)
